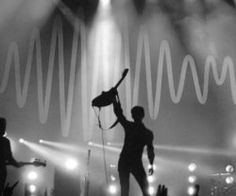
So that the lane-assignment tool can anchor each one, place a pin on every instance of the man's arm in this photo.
(118, 111)
(151, 154)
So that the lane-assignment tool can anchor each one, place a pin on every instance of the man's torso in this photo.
(137, 136)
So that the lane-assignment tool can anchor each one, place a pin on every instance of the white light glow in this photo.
(151, 190)
(112, 189)
(192, 179)
(113, 178)
(32, 175)
(151, 179)
(191, 190)
(71, 164)
(229, 168)
(154, 167)
(112, 166)
(192, 167)
(21, 140)
(105, 3)
(229, 180)
(32, 188)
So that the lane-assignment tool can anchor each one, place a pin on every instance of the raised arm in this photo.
(118, 111)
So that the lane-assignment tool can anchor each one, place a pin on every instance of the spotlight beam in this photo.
(113, 149)
(70, 16)
(55, 157)
(64, 146)
(196, 150)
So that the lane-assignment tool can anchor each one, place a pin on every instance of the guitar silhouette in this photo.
(107, 97)
(36, 163)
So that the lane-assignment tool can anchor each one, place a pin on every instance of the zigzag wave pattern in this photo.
(164, 61)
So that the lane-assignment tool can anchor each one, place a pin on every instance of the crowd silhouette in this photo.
(8, 190)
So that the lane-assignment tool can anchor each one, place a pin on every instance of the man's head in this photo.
(137, 113)
(3, 124)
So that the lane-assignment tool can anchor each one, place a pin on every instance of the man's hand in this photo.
(150, 170)
(162, 190)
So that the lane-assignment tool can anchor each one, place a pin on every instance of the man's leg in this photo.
(3, 175)
(124, 179)
(141, 177)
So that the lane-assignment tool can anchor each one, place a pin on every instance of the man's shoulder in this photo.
(148, 132)
(127, 122)
(4, 140)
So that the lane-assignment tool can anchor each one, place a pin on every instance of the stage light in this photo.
(21, 140)
(113, 178)
(151, 179)
(5, 134)
(154, 166)
(191, 190)
(32, 188)
(229, 180)
(112, 189)
(32, 175)
(90, 143)
(105, 3)
(71, 164)
(192, 167)
(229, 168)
(40, 141)
(112, 166)
(192, 179)
(151, 190)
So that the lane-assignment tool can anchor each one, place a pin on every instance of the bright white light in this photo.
(192, 179)
(229, 180)
(5, 134)
(151, 190)
(71, 164)
(191, 190)
(112, 166)
(113, 178)
(21, 140)
(229, 168)
(105, 3)
(192, 167)
(90, 143)
(151, 179)
(112, 189)
(154, 166)
(32, 175)
(40, 141)
(32, 188)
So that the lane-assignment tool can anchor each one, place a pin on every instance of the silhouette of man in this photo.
(137, 136)
(6, 157)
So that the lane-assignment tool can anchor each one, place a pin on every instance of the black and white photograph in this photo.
(117, 97)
